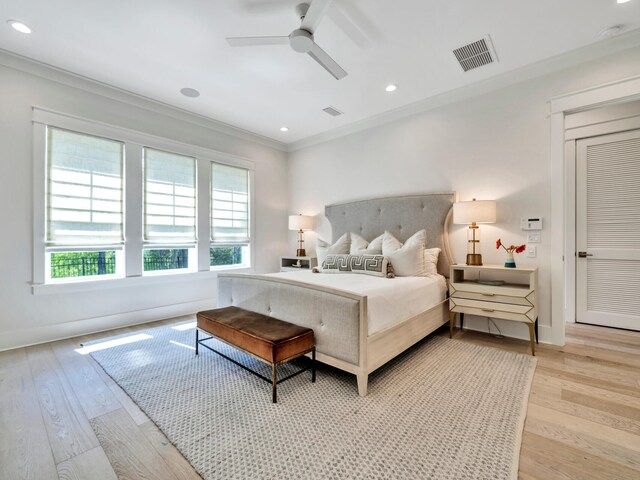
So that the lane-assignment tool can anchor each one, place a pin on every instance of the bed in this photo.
(337, 307)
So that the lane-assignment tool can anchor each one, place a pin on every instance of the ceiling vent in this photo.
(476, 54)
(333, 111)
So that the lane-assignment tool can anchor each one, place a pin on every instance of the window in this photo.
(230, 232)
(119, 205)
(169, 210)
(84, 205)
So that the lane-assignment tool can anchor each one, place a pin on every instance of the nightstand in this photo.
(295, 264)
(514, 298)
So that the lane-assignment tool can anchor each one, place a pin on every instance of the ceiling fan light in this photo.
(19, 26)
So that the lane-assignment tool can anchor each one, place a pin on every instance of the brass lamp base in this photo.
(301, 252)
(474, 259)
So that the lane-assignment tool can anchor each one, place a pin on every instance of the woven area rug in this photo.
(444, 409)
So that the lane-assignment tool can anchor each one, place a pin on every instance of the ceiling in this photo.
(156, 47)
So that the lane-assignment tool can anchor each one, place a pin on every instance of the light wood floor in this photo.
(62, 417)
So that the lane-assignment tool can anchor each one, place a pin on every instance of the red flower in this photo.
(521, 248)
(498, 243)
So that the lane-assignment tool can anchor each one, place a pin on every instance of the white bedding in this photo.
(390, 300)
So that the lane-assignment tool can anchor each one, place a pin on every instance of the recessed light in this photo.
(611, 31)
(19, 26)
(392, 87)
(190, 92)
(623, 1)
(284, 129)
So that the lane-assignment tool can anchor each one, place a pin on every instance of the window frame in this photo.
(250, 219)
(133, 186)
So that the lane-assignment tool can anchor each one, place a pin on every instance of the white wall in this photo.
(492, 146)
(26, 318)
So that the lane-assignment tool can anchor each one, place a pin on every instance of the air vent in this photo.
(333, 111)
(476, 54)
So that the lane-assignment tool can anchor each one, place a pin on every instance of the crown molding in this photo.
(538, 69)
(65, 77)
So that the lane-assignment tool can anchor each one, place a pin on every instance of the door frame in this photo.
(563, 193)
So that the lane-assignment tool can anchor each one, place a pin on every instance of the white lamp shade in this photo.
(300, 222)
(478, 211)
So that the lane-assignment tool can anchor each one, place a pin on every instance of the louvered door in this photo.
(608, 230)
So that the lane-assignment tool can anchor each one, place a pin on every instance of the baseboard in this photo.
(507, 328)
(61, 331)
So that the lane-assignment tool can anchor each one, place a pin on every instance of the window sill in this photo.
(145, 280)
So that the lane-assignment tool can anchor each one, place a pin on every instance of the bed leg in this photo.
(363, 379)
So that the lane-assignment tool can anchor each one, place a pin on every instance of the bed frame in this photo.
(339, 319)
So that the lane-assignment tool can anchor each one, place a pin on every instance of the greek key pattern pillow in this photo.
(377, 265)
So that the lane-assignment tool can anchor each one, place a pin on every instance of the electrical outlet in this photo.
(532, 252)
(533, 237)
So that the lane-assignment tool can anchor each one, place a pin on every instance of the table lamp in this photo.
(300, 223)
(471, 213)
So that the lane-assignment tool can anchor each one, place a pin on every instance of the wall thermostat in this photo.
(531, 223)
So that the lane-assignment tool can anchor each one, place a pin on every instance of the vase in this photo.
(510, 262)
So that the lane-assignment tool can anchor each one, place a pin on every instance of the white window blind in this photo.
(84, 189)
(229, 205)
(169, 198)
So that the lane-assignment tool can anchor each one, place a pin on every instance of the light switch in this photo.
(533, 237)
(532, 251)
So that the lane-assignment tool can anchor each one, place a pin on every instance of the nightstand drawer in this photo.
(517, 317)
(508, 311)
(491, 297)
(507, 290)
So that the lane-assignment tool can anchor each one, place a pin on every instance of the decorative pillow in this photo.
(323, 248)
(360, 246)
(407, 259)
(431, 260)
(377, 265)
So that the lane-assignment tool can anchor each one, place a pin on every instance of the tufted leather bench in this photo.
(265, 338)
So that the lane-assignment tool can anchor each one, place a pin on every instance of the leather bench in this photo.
(265, 338)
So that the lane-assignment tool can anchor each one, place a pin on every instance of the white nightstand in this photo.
(515, 299)
(295, 264)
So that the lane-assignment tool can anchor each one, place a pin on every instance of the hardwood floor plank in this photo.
(567, 378)
(178, 464)
(587, 386)
(93, 465)
(624, 358)
(545, 397)
(129, 405)
(550, 459)
(67, 426)
(615, 445)
(25, 453)
(607, 406)
(94, 395)
(128, 450)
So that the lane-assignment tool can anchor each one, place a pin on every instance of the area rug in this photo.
(444, 409)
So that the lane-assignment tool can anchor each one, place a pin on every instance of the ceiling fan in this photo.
(301, 39)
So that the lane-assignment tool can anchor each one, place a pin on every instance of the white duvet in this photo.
(390, 300)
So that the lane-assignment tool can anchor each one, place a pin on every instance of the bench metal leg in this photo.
(313, 366)
(274, 382)
(197, 343)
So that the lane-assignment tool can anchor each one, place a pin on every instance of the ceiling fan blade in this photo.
(329, 64)
(253, 41)
(316, 11)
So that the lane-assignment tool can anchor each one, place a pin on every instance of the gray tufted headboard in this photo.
(402, 216)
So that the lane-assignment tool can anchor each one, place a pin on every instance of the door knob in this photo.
(584, 254)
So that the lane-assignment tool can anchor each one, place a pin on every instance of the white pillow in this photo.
(359, 246)
(407, 259)
(323, 248)
(431, 260)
